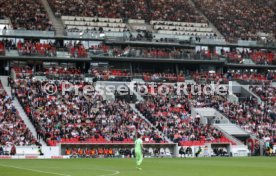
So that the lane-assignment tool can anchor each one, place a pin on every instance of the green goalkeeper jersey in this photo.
(138, 145)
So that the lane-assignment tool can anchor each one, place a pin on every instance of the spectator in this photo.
(40, 151)
(100, 120)
(26, 14)
(182, 152)
(1, 150)
(240, 20)
(13, 150)
(12, 128)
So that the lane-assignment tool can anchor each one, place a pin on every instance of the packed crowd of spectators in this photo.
(240, 19)
(73, 118)
(253, 117)
(209, 77)
(58, 70)
(110, 74)
(267, 93)
(13, 130)
(152, 52)
(161, 77)
(80, 118)
(99, 8)
(254, 77)
(182, 11)
(142, 9)
(25, 14)
(259, 57)
(170, 113)
(141, 52)
(76, 49)
(22, 72)
(30, 48)
(48, 49)
(234, 20)
(238, 56)
(26, 72)
(125, 75)
(264, 58)
(243, 76)
(235, 56)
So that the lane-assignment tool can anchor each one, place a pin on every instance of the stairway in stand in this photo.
(57, 23)
(22, 114)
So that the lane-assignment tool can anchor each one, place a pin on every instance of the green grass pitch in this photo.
(151, 167)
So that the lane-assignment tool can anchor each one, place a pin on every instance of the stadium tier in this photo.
(240, 19)
(73, 49)
(170, 114)
(13, 130)
(164, 18)
(79, 119)
(25, 14)
(97, 78)
(142, 9)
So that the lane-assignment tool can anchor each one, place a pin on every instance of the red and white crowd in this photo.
(26, 14)
(76, 118)
(240, 20)
(13, 130)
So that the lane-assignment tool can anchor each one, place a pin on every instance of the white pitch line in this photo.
(115, 172)
(34, 170)
(108, 170)
(53, 173)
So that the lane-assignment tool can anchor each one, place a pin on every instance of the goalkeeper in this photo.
(139, 151)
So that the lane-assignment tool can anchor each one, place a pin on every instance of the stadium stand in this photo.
(251, 116)
(94, 24)
(159, 42)
(143, 9)
(254, 78)
(183, 11)
(50, 72)
(240, 19)
(199, 77)
(12, 128)
(170, 114)
(29, 48)
(266, 93)
(123, 75)
(47, 49)
(161, 77)
(77, 50)
(88, 8)
(112, 17)
(260, 57)
(152, 52)
(25, 14)
(79, 119)
(208, 77)
(187, 22)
